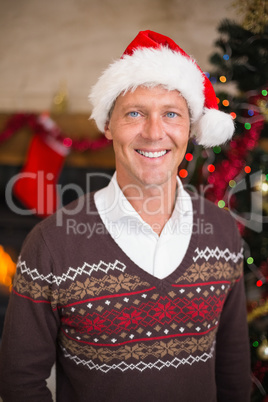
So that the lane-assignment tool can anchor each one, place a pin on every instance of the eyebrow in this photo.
(140, 106)
(133, 105)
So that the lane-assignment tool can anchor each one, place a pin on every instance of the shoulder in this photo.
(219, 245)
(211, 212)
(81, 210)
(66, 239)
(217, 224)
(67, 228)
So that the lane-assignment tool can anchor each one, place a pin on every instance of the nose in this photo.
(153, 129)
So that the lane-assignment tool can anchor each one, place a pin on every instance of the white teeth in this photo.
(151, 154)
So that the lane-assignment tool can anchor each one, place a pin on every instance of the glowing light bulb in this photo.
(232, 183)
(233, 115)
(183, 173)
(264, 187)
(221, 204)
(211, 168)
(217, 149)
(255, 344)
(189, 157)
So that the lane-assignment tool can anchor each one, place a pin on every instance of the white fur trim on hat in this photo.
(150, 66)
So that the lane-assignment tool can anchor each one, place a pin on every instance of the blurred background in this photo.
(50, 152)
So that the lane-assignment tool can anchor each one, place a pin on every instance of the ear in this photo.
(107, 130)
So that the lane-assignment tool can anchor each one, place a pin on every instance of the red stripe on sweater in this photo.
(30, 298)
(138, 340)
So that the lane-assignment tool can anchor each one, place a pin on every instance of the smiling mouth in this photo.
(152, 154)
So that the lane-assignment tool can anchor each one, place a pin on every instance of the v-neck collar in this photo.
(134, 269)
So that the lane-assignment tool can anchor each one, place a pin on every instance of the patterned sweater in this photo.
(118, 333)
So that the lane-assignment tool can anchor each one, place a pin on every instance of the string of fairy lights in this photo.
(253, 110)
(234, 165)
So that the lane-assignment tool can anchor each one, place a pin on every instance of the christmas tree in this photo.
(235, 176)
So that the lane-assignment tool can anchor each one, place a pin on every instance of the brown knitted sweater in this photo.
(118, 333)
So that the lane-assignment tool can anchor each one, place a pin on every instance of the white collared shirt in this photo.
(157, 255)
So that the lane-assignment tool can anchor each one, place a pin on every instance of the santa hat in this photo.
(153, 59)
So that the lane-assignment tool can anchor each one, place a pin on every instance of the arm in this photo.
(28, 347)
(232, 346)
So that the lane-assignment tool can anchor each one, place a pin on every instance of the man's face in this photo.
(150, 131)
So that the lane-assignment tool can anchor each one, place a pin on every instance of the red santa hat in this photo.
(153, 59)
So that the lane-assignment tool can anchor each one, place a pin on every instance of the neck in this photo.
(154, 203)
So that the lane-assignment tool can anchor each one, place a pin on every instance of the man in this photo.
(146, 308)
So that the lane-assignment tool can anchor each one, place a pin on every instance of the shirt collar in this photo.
(117, 207)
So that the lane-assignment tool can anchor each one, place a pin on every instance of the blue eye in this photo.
(133, 114)
(171, 115)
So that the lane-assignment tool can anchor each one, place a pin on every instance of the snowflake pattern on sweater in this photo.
(115, 318)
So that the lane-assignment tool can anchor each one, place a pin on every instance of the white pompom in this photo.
(213, 128)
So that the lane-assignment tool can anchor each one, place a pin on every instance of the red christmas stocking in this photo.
(36, 185)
